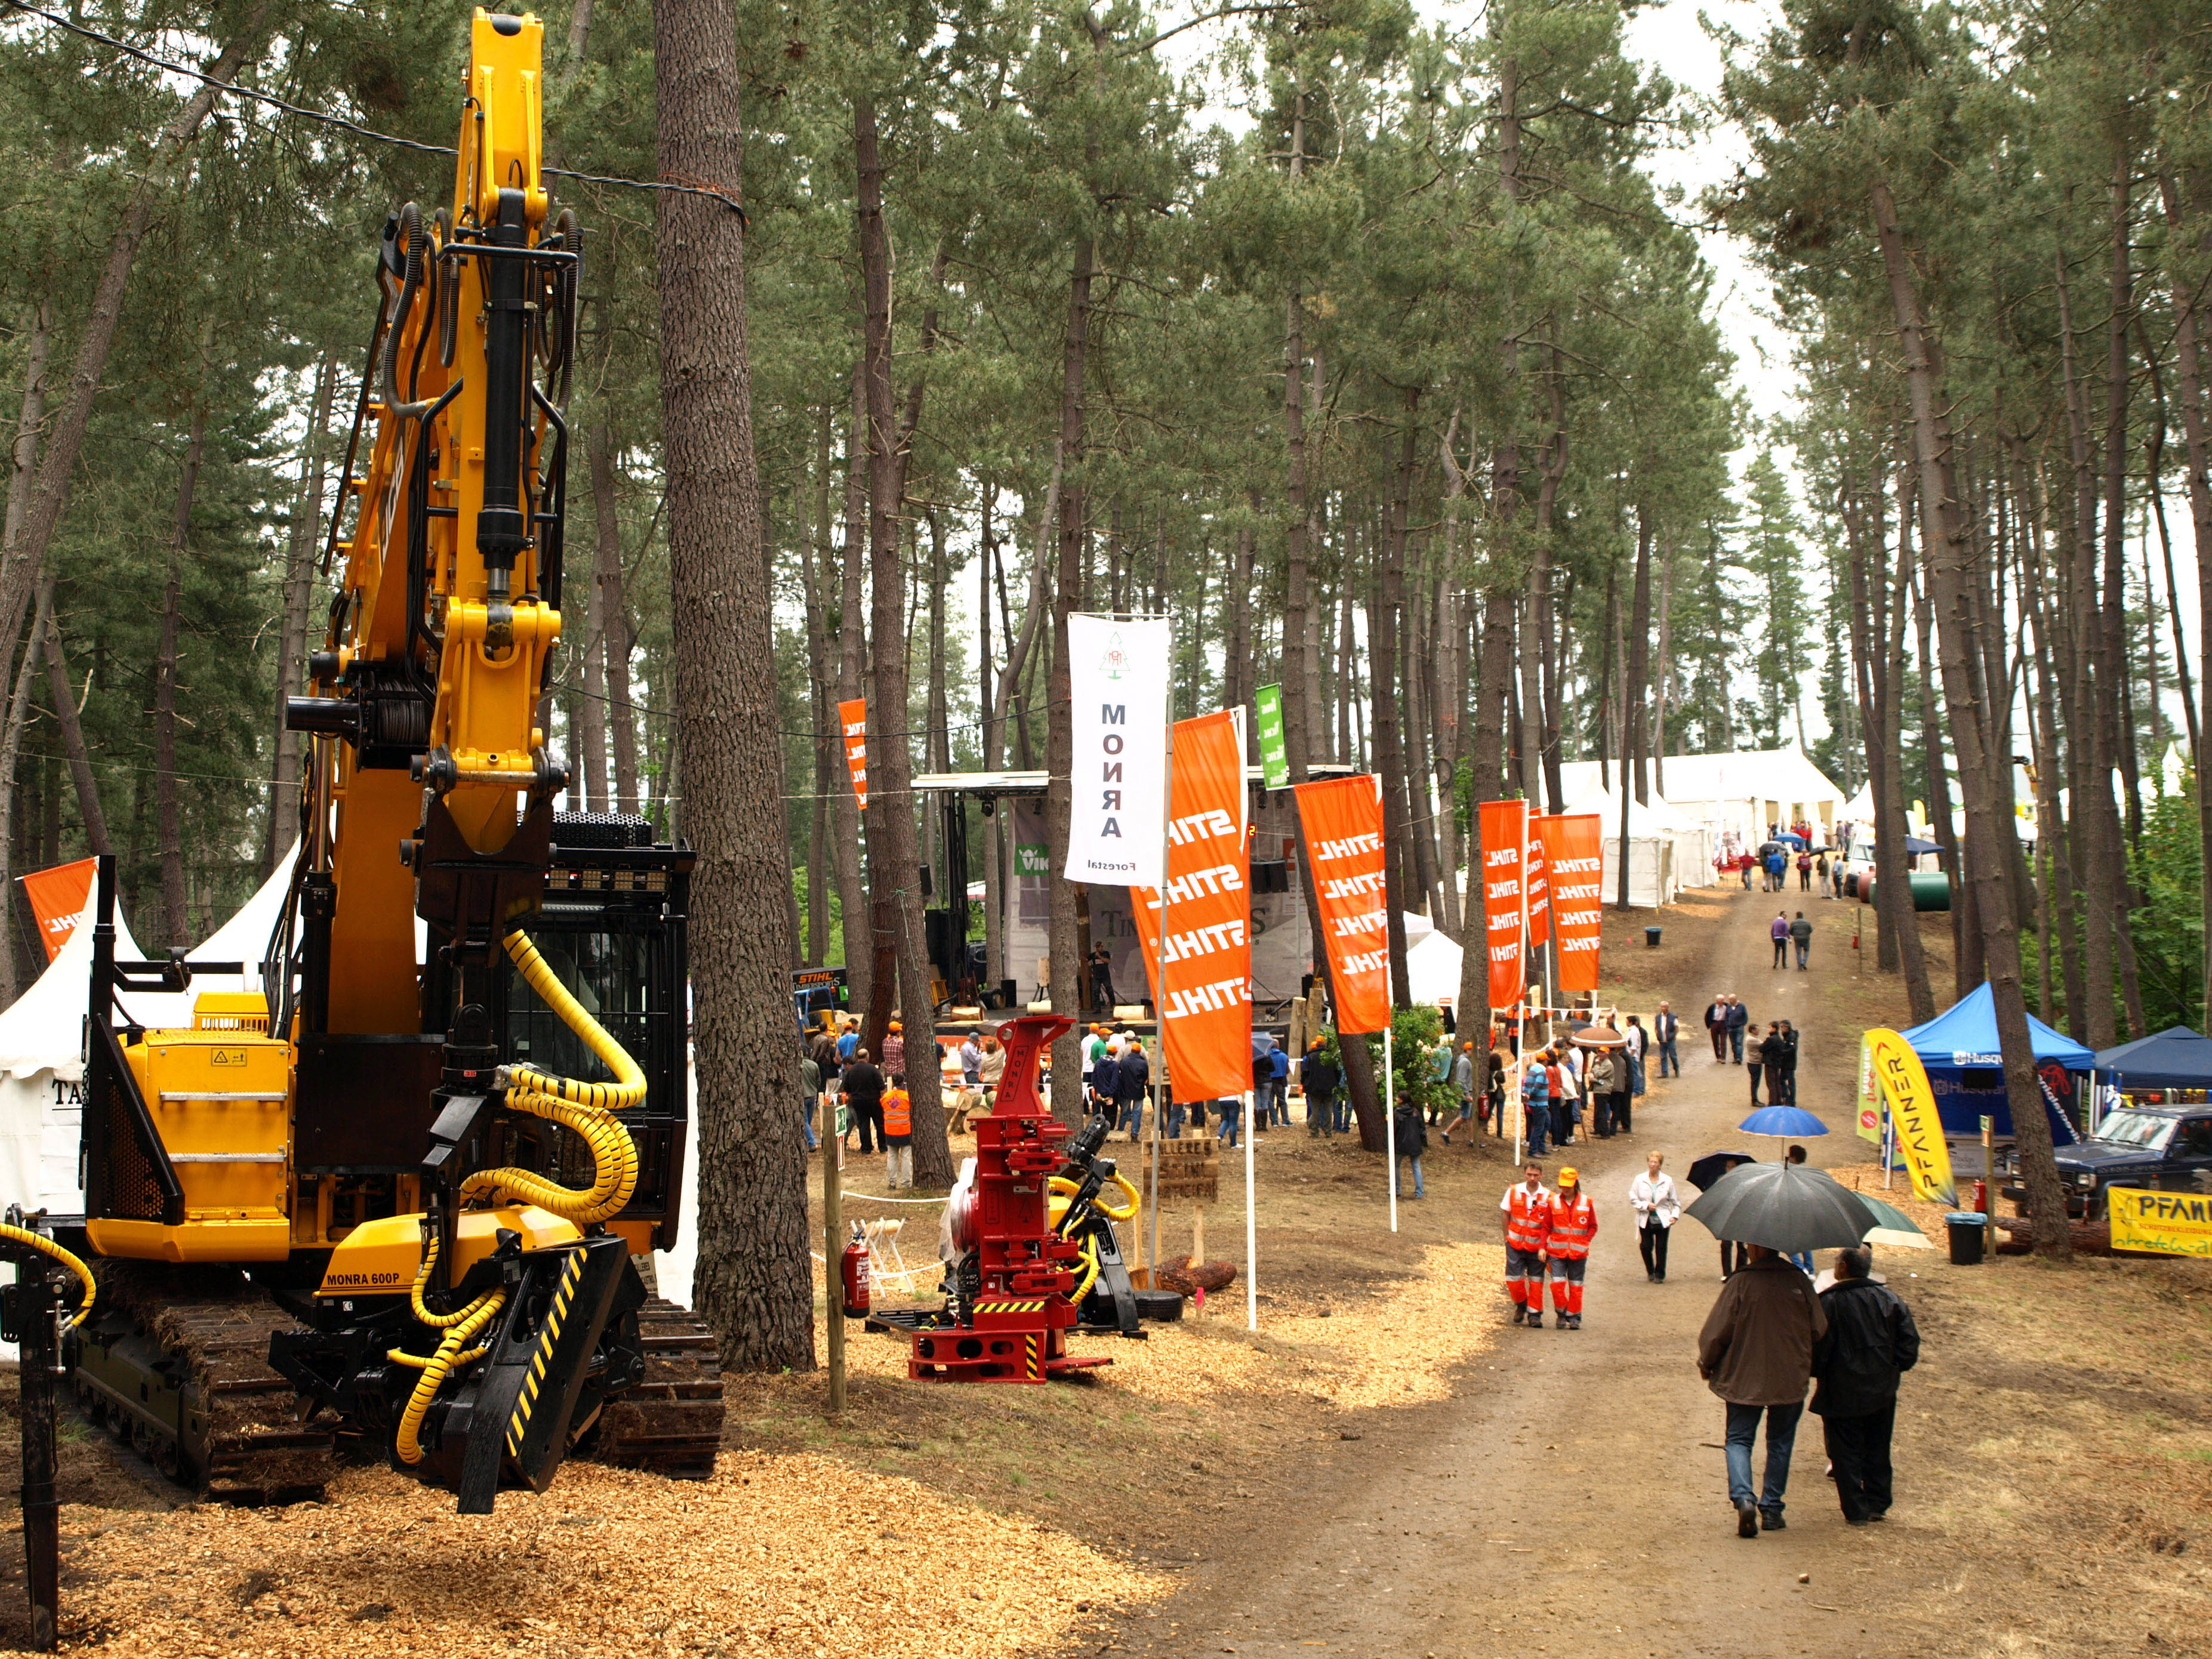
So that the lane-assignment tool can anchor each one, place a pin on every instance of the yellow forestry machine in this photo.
(375, 1207)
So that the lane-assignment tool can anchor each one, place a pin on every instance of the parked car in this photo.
(2165, 1148)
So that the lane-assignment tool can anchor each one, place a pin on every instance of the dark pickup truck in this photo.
(2164, 1148)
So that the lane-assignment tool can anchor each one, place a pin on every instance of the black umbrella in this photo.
(1784, 1206)
(1713, 1165)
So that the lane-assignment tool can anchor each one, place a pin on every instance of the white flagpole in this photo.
(1160, 990)
(1251, 1212)
(1390, 1122)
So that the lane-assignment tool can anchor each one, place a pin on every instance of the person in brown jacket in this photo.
(1756, 1353)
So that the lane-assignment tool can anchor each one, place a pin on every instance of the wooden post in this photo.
(833, 1246)
(39, 1372)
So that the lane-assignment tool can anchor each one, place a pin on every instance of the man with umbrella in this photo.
(1756, 1353)
(1757, 1348)
(1871, 1342)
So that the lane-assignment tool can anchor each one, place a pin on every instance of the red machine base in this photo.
(956, 1355)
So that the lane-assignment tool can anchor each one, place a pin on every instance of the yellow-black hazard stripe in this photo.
(521, 1421)
(1036, 1306)
(1030, 1343)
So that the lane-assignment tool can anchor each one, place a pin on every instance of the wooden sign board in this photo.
(1190, 1170)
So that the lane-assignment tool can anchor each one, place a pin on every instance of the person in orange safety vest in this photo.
(1570, 1223)
(1526, 1207)
(898, 1135)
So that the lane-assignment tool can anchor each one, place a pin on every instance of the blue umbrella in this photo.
(1782, 1121)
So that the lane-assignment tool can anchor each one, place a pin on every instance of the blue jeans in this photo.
(1668, 1058)
(1781, 1440)
(1231, 1110)
(806, 1123)
(1803, 945)
(1174, 1119)
(1344, 1113)
(1277, 1109)
(1400, 1183)
(1539, 1114)
(1636, 1074)
(1736, 1042)
(1133, 1116)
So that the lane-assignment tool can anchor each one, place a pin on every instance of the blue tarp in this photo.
(2176, 1058)
(1959, 1047)
(1965, 1034)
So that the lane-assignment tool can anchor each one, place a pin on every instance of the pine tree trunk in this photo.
(11, 747)
(302, 554)
(1060, 738)
(894, 867)
(1638, 733)
(753, 1281)
(19, 571)
(169, 829)
(1987, 824)
(1390, 753)
(2197, 439)
(66, 701)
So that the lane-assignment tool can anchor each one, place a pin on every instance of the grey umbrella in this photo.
(1784, 1206)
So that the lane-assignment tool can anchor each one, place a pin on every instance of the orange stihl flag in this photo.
(1343, 821)
(1539, 893)
(1504, 899)
(1570, 852)
(58, 897)
(853, 717)
(1206, 1024)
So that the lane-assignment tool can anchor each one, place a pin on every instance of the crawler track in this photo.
(671, 1422)
(176, 1362)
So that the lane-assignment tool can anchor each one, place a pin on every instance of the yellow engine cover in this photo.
(221, 1102)
(382, 1257)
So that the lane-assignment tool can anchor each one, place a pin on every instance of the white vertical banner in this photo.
(1118, 679)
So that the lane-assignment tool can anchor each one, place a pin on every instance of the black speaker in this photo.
(928, 881)
(1271, 875)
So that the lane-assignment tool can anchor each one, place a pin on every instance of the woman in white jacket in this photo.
(1652, 1196)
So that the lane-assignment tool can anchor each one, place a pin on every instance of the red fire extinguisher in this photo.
(853, 1272)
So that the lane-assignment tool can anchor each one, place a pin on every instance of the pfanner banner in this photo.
(1342, 818)
(57, 896)
(1206, 1006)
(2167, 1224)
(854, 718)
(1574, 860)
(1912, 1102)
(1118, 676)
(1504, 825)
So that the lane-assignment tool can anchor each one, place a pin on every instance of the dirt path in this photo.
(1567, 1505)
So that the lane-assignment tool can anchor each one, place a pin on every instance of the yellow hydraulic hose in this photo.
(587, 1109)
(25, 1236)
(453, 1352)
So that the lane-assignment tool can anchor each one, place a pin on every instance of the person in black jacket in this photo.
(1317, 1076)
(1412, 1136)
(1871, 1341)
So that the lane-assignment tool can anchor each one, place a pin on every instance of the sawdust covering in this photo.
(1394, 1347)
(798, 1555)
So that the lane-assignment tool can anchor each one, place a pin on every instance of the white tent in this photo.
(1432, 968)
(42, 1063)
(1739, 793)
(1660, 841)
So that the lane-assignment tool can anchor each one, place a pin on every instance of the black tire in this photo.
(1161, 1307)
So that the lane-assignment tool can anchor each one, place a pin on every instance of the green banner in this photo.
(1274, 747)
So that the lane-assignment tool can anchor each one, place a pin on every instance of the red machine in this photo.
(1011, 1310)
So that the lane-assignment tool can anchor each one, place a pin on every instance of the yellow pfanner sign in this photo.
(1912, 1102)
(2168, 1223)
